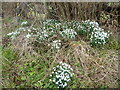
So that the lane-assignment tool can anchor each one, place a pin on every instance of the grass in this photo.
(92, 67)
(34, 71)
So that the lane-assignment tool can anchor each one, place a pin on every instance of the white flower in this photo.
(60, 62)
(21, 29)
(9, 34)
(62, 74)
(56, 82)
(28, 35)
(54, 79)
(24, 23)
(68, 33)
(50, 80)
(52, 72)
(29, 30)
(56, 44)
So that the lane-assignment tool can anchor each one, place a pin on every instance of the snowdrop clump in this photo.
(56, 44)
(67, 30)
(91, 23)
(28, 35)
(98, 37)
(87, 27)
(16, 32)
(61, 74)
(43, 36)
(24, 23)
(68, 33)
(13, 35)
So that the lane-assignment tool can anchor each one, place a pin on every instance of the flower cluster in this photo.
(28, 35)
(13, 34)
(62, 74)
(86, 27)
(98, 37)
(56, 44)
(96, 34)
(43, 36)
(17, 32)
(90, 23)
(24, 23)
(64, 30)
(68, 33)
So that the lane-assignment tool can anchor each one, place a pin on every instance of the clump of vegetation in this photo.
(65, 30)
(59, 45)
(45, 47)
(56, 44)
(61, 74)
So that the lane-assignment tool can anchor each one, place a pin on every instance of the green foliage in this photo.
(61, 75)
(34, 71)
(65, 31)
(112, 43)
(9, 54)
(9, 59)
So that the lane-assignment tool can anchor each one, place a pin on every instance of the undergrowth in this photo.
(32, 54)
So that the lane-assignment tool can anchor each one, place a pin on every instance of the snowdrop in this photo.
(56, 44)
(96, 34)
(98, 37)
(21, 29)
(28, 35)
(43, 36)
(62, 75)
(9, 34)
(13, 34)
(68, 33)
(24, 23)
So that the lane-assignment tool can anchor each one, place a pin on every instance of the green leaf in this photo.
(23, 78)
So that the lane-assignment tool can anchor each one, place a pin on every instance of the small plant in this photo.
(17, 32)
(13, 35)
(56, 44)
(98, 37)
(24, 23)
(61, 75)
(68, 33)
(43, 36)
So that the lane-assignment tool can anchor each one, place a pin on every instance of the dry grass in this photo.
(92, 67)
(89, 66)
